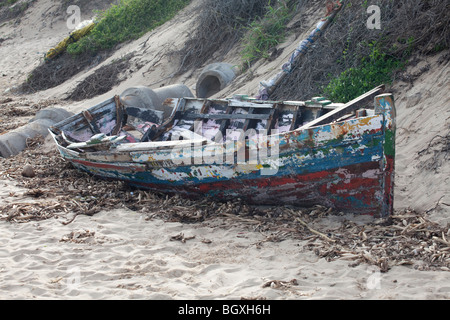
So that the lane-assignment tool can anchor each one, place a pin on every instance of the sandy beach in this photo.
(133, 244)
(64, 235)
(120, 255)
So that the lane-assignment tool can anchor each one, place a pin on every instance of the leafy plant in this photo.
(7, 3)
(375, 69)
(127, 20)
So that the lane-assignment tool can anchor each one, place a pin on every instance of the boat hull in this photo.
(347, 166)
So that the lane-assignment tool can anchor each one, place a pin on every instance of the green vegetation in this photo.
(374, 70)
(11, 9)
(127, 20)
(350, 59)
(7, 3)
(220, 25)
(440, 47)
(267, 32)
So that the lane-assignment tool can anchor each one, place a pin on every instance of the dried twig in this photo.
(102, 80)
(220, 25)
(314, 231)
(181, 237)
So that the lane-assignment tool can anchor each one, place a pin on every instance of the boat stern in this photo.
(384, 104)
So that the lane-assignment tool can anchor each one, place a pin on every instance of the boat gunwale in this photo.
(171, 146)
(150, 146)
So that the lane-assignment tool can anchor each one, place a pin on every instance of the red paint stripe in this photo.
(353, 184)
(321, 178)
(108, 166)
(389, 183)
(356, 194)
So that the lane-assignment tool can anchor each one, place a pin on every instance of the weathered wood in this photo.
(158, 145)
(347, 165)
(106, 141)
(385, 105)
(247, 121)
(225, 122)
(294, 118)
(226, 116)
(119, 116)
(154, 116)
(90, 121)
(345, 109)
(326, 106)
(245, 104)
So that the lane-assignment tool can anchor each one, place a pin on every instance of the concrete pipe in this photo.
(146, 98)
(14, 142)
(53, 114)
(214, 78)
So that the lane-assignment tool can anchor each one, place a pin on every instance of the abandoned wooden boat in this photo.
(264, 152)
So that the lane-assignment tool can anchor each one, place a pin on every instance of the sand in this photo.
(122, 254)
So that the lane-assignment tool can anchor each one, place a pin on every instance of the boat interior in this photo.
(207, 119)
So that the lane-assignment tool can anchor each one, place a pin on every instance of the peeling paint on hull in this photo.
(327, 188)
(348, 166)
(348, 180)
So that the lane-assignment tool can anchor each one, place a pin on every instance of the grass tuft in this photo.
(127, 20)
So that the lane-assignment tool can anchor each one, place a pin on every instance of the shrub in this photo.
(219, 27)
(127, 20)
(408, 27)
(374, 70)
(265, 33)
(7, 3)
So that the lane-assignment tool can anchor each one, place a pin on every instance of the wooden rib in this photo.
(294, 118)
(90, 121)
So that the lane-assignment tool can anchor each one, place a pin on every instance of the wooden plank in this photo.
(168, 124)
(328, 106)
(247, 122)
(119, 116)
(90, 121)
(70, 120)
(272, 120)
(226, 116)
(293, 103)
(294, 118)
(157, 145)
(154, 116)
(245, 104)
(333, 106)
(93, 143)
(225, 123)
(345, 109)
